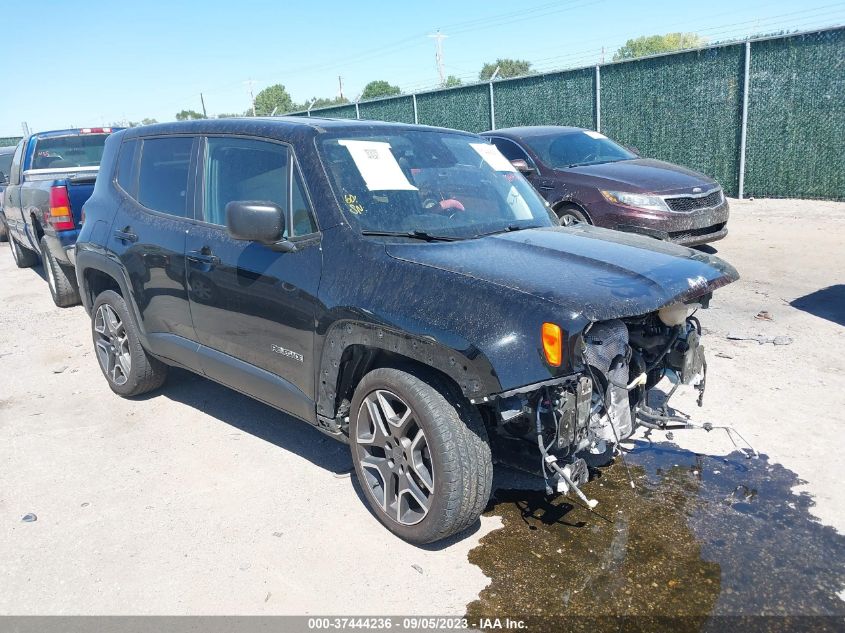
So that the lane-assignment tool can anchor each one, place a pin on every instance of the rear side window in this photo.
(126, 167)
(163, 174)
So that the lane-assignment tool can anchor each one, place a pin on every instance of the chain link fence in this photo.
(686, 108)
(9, 140)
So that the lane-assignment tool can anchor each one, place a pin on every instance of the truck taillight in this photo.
(95, 130)
(60, 216)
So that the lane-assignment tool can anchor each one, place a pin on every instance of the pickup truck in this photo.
(52, 175)
(402, 288)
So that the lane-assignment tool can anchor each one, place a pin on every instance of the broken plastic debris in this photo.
(29, 518)
(417, 567)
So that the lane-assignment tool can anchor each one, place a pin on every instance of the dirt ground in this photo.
(197, 500)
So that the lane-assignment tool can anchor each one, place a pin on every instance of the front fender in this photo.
(468, 367)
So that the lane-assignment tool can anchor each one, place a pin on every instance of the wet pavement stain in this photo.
(700, 537)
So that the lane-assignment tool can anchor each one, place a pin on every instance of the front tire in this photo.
(421, 454)
(569, 214)
(128, 368)
(62, 285)
(24, 258)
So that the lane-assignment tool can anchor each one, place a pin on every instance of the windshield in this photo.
(68, 151)
(427, 181)
(577, 147)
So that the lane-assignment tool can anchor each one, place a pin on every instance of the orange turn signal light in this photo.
(552, 344)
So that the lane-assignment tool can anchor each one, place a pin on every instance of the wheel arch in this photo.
(568, 202)
(352, 349)
(95, 273)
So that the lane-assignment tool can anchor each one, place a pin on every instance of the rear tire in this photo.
(427, 474)
(568, 214)
(128, 368)
(4, 231)
(24, 258)
(60, 278)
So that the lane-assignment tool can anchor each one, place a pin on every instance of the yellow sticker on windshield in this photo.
(352, 204)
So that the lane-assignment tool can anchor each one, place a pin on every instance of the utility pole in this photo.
(340, 87)
(204, 113)
(25, 128)
(250, 83)
(438, 54)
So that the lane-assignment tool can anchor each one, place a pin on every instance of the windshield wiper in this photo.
(416, 235)
(508, 229)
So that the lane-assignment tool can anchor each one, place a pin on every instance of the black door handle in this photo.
(125, 235)
(203, 256)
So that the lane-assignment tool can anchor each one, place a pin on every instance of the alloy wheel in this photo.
(567, 219)
(395, 457)
(112, 345)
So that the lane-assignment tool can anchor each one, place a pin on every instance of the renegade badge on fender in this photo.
(401, 288)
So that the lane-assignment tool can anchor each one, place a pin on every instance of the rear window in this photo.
(163, 174)
(58, 152)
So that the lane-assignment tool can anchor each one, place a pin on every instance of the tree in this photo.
(379, 88)
(272, 98)
(451, 82)
(187, 115)
(507, 68)
(322, 102)
(653, 44)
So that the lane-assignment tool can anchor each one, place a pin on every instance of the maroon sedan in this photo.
(587, 177)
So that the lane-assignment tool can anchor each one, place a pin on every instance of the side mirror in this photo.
(522, 166)
(255, 221)
(633, 149)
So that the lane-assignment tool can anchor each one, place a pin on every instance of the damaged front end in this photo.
(570, 425)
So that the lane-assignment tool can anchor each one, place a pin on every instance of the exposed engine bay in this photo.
(578, 424)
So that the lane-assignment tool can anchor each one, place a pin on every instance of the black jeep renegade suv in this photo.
(401, 288)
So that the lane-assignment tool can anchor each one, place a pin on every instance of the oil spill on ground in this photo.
(700, 537)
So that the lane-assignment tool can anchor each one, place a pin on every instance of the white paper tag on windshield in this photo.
(492, 156)
(592, 134)
(377, 165)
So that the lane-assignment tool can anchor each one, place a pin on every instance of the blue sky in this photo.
(96, 62)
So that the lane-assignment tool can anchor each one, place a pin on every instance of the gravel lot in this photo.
(196, 499)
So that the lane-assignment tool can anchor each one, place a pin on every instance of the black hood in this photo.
(591, 272)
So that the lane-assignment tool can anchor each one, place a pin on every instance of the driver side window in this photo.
(248, 169)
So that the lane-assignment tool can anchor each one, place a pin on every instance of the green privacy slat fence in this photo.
(796, 131)
(555, 99)
(337, 112)
(399, 109)
(684, 107)
(9, 140)
(465, 108)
